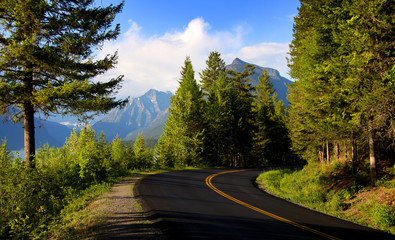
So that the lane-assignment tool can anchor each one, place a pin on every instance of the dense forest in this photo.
(342, 106)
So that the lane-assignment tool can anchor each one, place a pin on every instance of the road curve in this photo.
(225, 204)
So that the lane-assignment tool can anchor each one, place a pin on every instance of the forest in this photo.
(341, 107)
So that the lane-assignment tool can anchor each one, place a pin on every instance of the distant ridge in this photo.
(145, 114)
(279, 82)
(47, 132)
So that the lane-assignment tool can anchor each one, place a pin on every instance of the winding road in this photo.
(225, 204)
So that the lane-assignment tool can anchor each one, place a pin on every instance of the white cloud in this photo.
(155, 62)
(271, 55)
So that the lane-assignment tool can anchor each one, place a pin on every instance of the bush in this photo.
(35, 201)
(384, 215)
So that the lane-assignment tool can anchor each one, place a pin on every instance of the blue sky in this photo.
(157, 35)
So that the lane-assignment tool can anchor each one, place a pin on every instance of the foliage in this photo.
(229, 126)
(384, 215)
(35, 202)
(142, 156)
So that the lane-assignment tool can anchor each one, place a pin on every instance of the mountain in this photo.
(47, 132)
(279, 82)
(146, 114)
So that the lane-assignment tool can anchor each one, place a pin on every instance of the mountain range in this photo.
(146, 114)
(47, 132)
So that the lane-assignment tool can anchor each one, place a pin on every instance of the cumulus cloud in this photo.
(155, 61)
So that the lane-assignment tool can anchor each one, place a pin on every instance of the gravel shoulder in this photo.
(123, 214)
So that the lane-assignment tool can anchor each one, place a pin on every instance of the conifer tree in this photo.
(215, 65)
(271, 141)
(241, 125)
(219, 146)
(46, 63)
(183, 137)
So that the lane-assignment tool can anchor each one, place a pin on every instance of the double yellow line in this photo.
(208, 182)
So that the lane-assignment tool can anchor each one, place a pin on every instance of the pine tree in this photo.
(46, 64)
(271, 141)
(184, 133)
(241, 125)
(143, 157)
(219, 145)
(215, 65)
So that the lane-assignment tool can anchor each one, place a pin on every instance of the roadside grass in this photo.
(331, 189)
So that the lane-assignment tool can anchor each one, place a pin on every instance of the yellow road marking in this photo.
(208, 182)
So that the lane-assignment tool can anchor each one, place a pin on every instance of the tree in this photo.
(219, 146)
(46, 63)
(241, 125)
(340, 54)
(271, 141)
(143, 156)
(215, 65)
(183, 137)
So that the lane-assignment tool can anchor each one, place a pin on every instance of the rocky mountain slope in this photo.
(146, 114)
(279, 82)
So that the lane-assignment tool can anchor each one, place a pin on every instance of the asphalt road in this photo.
(225, 204)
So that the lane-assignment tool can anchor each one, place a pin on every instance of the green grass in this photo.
(329, 189)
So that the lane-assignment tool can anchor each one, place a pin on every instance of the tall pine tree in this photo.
(182, 141)
(215, 66)
(46, 63)
(271, 141)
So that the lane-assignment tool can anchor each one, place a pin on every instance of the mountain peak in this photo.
(279, 82)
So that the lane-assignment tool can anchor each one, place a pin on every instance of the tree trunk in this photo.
(373, 172)
(328, 158)
(353, 157)
(29, 141)
(28, 119)
(336, 150)
(321, 154)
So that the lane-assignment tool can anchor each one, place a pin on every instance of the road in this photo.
(225, 204)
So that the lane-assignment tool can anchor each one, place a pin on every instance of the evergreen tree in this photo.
(215, 65)
(183, 137)
(219, 145)
(46, 64)
(143, 157)
(241, 124)
(271, 141)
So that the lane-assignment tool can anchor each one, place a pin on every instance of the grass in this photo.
(332, 190)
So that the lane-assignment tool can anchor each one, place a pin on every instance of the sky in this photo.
(157, 35)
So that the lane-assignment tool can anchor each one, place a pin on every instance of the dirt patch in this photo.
(124, 218)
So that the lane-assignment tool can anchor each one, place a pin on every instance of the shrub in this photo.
(384, 215)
